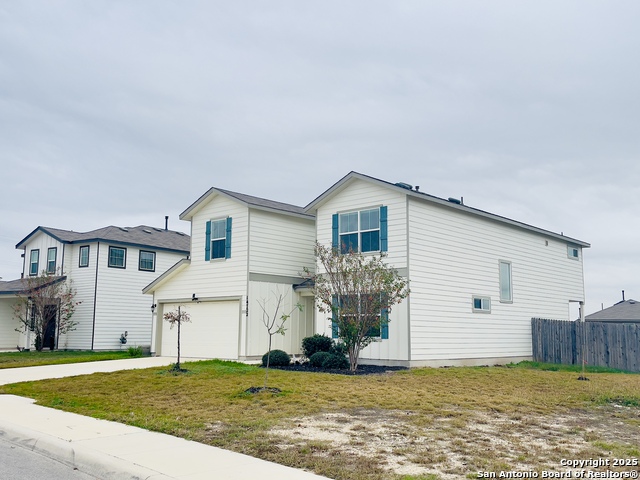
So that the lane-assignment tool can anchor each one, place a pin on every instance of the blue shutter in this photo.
(207, 242)
(383, 229)
(384, 319)
(334, 231)
(334, 316)
(227, 243)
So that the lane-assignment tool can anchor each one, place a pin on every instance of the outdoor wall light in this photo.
(153, 307)
(194, 298)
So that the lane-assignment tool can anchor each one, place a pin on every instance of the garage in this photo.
(211, 333)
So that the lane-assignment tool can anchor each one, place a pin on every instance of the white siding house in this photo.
(476, 278)
(245, 253)
(108, 268)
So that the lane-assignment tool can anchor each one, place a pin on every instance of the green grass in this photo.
(444, 406)
(56, 357)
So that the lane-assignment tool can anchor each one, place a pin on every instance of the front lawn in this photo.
(446, 423)
(34, 358)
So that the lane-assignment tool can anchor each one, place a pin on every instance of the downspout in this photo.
(95, 297)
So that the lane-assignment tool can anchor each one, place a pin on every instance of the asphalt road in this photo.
(19, 463)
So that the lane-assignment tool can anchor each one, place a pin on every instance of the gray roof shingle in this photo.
(625, 311)
(141, 235)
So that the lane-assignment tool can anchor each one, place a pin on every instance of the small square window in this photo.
(117, 257)
(147, 261)
(84, 256)
(482, 304)
(573, 252)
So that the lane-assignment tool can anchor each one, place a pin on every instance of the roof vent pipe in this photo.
(623, 295)
(417, 188)
(166, 222)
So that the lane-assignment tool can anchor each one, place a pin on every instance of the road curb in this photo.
(86, 460)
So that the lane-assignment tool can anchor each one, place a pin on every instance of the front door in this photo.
(50, 314)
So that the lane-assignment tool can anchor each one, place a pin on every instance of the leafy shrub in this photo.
(318, 358)
(278, 358)
(135, 351)
(332, 362)
(339, 349)
(316, 343)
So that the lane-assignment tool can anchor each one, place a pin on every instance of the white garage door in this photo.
(212, 332)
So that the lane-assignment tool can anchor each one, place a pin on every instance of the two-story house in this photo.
(476, 278)
(246, 254)
(108, 267)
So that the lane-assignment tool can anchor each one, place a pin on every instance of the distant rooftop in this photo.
(624, 311)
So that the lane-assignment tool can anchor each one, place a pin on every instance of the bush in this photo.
(318, 358)
(278, 358)
(316, 343)
(135, 351)
(339, 349)
(333, 362)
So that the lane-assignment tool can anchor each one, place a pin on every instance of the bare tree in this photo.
(274, 323)
(177, 317)
(358, 291)
(45, 307)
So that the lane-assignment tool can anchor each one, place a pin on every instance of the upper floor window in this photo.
(218, 239)
(117, 257)
(573, 252)
(147, 261)
(84, 256)
(481, 304)
(51, 259)
(506, 290)
(34, 259)
(361, 231)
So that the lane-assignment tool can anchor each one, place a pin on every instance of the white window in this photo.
(218, 238)
(506, 294)
(573, 252)
(481, 304)
(360, 231)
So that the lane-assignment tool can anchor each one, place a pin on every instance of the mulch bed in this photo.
(361, 370)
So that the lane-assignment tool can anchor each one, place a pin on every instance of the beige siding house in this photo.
(108, 268)
(476, 278)
(245, 253)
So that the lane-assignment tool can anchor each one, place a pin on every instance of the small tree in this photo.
(177, 317)
(359, 291)
(46, 303)
(274, 323)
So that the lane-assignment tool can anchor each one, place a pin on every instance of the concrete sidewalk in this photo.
(113, 451)
(26, 374)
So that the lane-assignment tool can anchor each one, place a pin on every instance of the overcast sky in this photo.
(121, 112)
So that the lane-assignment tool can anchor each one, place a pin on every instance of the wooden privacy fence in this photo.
(603, 344)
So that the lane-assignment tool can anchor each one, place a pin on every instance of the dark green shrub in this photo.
(316, 343)
(278, 358)
(339, 349)
(318, 358)
(332, 362)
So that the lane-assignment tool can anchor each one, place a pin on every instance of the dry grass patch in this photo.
(423, 423)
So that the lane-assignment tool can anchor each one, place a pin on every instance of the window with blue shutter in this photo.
(218, 239)
(334, 317)
(361, 231)
(351, 304)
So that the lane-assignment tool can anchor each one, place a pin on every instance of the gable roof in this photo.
(425, 197)
(13, 287)
(141, 235)
(624, 311)
(247, 200)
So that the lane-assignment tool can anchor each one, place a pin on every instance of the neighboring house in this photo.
(625, 311)
(108, 268)
(476, 278)
(244, 251)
